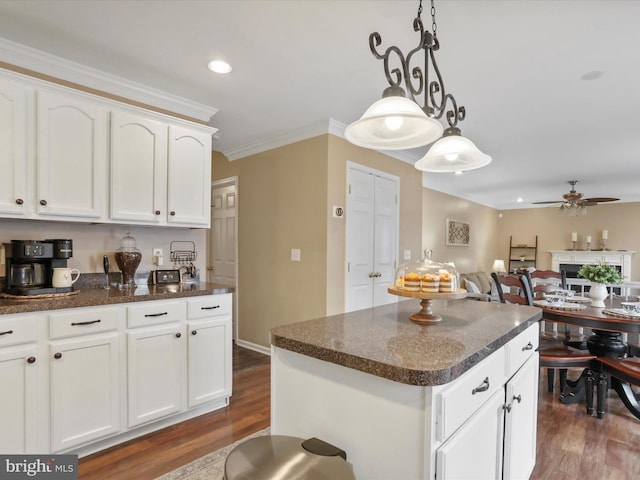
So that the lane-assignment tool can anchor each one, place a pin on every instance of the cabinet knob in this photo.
(57, 356)
(172, 213)
(19, 201)
(194, 332)
(31, 360)
(157, 212)
(517, 398)
(528, 346)
(43, 202)
(178, 335)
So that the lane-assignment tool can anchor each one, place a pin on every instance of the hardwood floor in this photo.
(571, 445)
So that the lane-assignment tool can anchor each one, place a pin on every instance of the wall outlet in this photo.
(295, 254)
(158, 257)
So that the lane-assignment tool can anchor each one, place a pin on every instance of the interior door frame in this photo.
(226, 182)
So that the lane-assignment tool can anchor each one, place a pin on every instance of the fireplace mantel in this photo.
(581, 257)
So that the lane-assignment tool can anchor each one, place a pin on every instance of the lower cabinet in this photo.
(156, 373)
(83, 379)
(85, 390)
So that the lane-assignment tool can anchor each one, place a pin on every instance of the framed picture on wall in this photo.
(457, 233)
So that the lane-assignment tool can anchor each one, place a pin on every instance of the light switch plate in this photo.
(295, 254)
(407, 254)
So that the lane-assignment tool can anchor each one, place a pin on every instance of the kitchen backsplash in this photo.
(92, 241)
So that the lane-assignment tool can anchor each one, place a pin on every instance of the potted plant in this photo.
(600, 275)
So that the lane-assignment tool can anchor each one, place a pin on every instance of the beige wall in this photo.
(285, 200)
(483, 248)
(554, 230)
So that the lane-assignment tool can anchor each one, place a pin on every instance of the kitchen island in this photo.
(455, 399)
(90, 370)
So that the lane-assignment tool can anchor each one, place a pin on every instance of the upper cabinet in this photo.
(13, 148)
(189, 177)
(160, 173)
(72, 156)
(138, 169)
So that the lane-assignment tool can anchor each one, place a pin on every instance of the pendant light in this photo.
(452, 153)
(399, 122)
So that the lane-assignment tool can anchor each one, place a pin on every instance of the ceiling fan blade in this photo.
(548, 201)
(588, 203)
(601, 199)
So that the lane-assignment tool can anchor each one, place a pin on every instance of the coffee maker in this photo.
(29, 265)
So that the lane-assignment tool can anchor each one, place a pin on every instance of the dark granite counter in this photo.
(96, 296)
(383, 341)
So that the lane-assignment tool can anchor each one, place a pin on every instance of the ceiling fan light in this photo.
(453, 153)
(393, 123)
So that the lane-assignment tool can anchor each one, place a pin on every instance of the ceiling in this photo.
(516, 65)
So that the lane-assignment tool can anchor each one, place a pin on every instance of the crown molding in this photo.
(67, 70)
(330, 126)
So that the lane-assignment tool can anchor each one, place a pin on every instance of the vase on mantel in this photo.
(598, 293)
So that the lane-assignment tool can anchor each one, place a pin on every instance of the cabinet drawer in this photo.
(16, 330)
(209, 306)
(84, 321)
(155, 313)
(521, 348)
(466, 394)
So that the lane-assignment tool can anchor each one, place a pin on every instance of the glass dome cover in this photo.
(427, 276)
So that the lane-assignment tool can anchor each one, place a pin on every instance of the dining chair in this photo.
(553, 354)
(547, 281)
(623, 373)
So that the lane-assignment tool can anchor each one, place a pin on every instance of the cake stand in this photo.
(426, 316)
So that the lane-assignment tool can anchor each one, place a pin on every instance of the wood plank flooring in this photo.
(571, 445)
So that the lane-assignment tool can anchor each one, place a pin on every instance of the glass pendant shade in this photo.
(393, 123)
(452, 153)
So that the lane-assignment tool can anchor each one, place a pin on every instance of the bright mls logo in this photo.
(50, 467)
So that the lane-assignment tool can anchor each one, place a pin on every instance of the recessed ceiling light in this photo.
(458, 172)
(592, 75)
(519, 200)
(219, 66)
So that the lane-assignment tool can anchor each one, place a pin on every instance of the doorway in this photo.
(223, 239)
(372, 227)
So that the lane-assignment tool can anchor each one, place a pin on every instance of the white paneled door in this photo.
(223, 243)
(372, 237)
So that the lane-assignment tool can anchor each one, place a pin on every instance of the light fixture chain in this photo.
(434, 27)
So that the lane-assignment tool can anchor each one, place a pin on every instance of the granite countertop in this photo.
(383, 341)
(92, 296)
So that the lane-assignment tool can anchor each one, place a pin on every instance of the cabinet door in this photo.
(71, 156)
(13, 154)
(138, 169)
(85, 390)
(156, 373)
(189, 177)
(521, 421)
(18, 402)
(475, 450)
(209, 360)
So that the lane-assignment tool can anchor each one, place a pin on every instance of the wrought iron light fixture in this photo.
(397, 123)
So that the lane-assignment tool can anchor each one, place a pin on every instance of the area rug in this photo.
(209, 467)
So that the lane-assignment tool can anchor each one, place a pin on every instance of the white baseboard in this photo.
(253, 346)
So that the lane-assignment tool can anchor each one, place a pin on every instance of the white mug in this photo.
(63, 277)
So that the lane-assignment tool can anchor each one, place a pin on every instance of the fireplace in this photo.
(571, 260)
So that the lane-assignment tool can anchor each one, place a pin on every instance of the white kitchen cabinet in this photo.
(138, 169)
(160, 173)
(156, 347)
(209, 347)
(521, 421)
(71, 147)
(189, 177)
(14, 151)
(19, 371)
(86, 370)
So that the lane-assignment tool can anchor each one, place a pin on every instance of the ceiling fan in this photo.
(574, 199)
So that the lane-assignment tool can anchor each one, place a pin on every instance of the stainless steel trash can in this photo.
(280, 457)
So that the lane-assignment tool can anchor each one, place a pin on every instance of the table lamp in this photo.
(498, 266)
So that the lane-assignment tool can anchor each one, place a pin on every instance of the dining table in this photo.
(608, 324)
